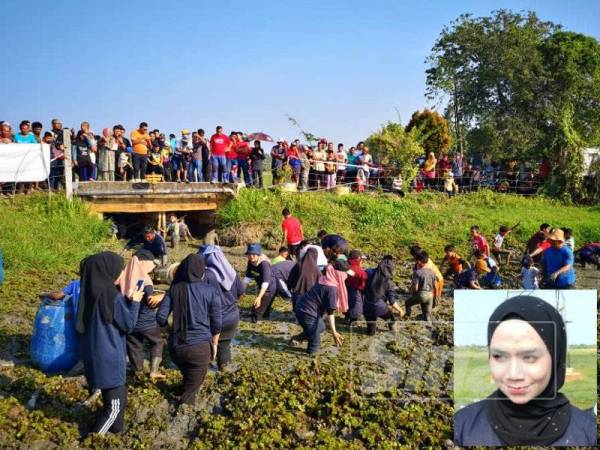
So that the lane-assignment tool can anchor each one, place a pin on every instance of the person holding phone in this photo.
(197, 322)
(136, 277)
(104, 318)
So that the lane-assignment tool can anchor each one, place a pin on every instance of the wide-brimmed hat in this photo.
(254, 249)
(557, 235)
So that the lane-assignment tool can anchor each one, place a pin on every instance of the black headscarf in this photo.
(543, 420)
(305, 273)
(191, 270)
(379, 284)
(98, 275)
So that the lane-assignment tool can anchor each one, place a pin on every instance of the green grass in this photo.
(388, 224)
(472, 379)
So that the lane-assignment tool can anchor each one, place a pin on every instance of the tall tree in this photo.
(568, 105)
(485, 67)
(434, 130)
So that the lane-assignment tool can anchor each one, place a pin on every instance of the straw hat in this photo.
(557, 235)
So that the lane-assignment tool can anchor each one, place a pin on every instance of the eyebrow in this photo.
(526, 352)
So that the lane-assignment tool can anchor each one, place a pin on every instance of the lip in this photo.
(518, 390)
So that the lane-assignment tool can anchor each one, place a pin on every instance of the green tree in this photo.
(434, 130)
(486, 70)
(569, 107)
(394, 146)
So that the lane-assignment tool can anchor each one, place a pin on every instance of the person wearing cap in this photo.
(355, 284)
(259, 270)
(557, 262)
(219, 146)
(140, 139)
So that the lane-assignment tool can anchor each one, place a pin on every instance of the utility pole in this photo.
(68, 163)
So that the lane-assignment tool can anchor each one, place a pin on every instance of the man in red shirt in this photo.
(231, 158)
(243, 155)
(219, 146)
(292, 232)
(478, 241)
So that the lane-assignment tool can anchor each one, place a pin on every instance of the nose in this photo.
(515, 369)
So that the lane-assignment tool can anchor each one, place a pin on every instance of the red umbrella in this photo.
(260, 137)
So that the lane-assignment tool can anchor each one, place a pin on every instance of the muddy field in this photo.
(386, 391)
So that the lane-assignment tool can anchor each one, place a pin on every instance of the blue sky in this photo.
(472, 310)
(341, 68)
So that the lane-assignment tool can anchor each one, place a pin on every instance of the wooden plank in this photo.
(142, 206)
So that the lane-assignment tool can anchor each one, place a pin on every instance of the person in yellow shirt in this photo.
(140, 139)
(439, 285)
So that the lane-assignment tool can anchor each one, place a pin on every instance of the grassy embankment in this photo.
(275, 396)
(387, 224)
(472, 376)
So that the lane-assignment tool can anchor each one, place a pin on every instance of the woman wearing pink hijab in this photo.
(106, 156)
(310, 308)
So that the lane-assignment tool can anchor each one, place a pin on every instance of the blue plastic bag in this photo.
(55, 342)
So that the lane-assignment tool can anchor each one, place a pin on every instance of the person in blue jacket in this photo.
(196, 309)
(221, 274)
(151, 241)
(310, 308)
(104, 318)
(146, 329)
(527, 344)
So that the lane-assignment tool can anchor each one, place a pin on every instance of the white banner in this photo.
(24, 162)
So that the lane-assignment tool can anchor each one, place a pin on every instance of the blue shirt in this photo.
(230, 313)
(73, 289)
(317, 301)
(29, 138)
(472, 428)
(555, 258)
(147, 316)
(157, 247)
(103, 346)
(204, 313)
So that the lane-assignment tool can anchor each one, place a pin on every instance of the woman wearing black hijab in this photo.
(304, 275)
(527, 343)
(104, 318)
(378, 298)
(196, 308)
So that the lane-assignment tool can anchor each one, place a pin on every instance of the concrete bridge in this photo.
(152, 201)
(143, 197)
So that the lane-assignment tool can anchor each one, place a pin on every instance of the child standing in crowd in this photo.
(173, 231)
(450, 186)
(529, 274)
(455, 262)
(155, 161)
(330, 168)
(569, 239)
(478, 241)
(361, 181)
(497, 251)
(487, 268)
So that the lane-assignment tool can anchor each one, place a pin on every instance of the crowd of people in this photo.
(120, 313)
(239, 158)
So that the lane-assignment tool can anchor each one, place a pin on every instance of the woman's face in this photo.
(520, 363)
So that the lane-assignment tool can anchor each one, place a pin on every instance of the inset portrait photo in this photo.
(525, 366)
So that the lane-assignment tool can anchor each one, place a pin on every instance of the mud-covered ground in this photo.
(391, 390)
